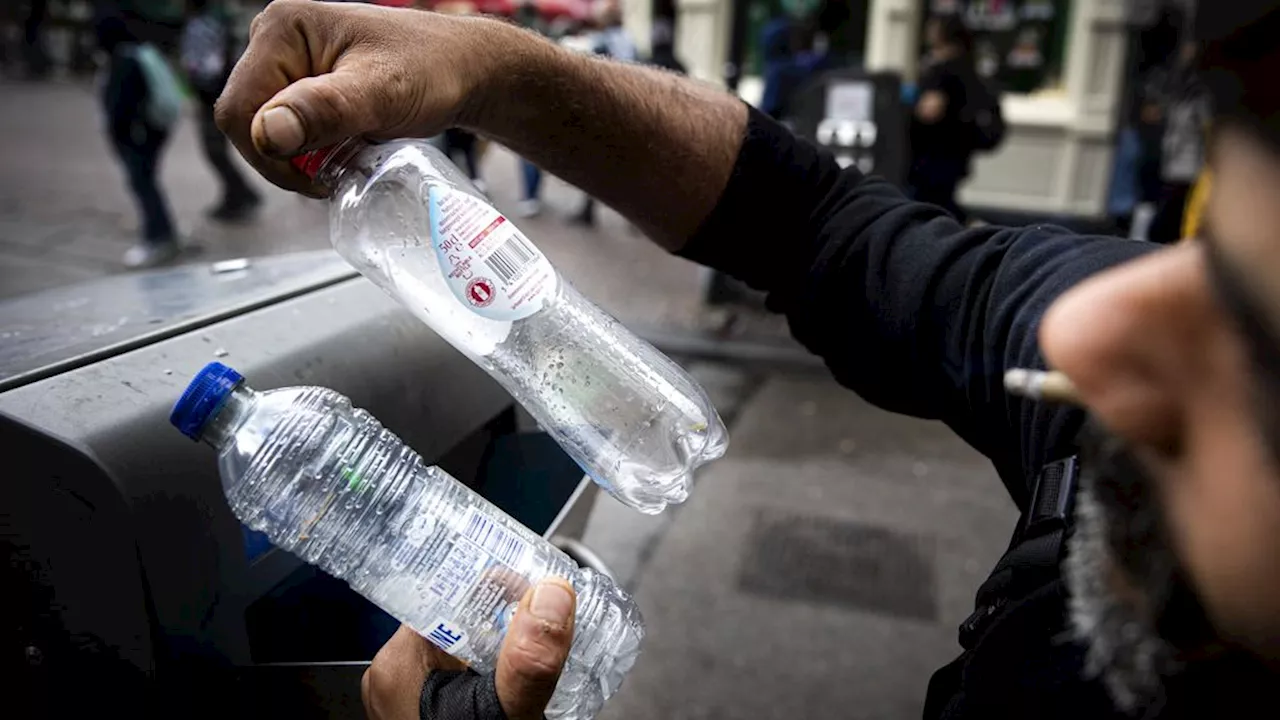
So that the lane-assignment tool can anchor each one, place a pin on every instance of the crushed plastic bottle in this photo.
(327, 482)
(411, 222)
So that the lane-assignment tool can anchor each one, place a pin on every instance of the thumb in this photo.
(318, 111)
(535, 649)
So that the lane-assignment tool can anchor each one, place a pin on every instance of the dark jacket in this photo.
(943, 148)
(124, 86)
(922, 316)
(207, 51)
(124, 100)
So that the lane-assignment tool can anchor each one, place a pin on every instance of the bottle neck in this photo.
(222, 426)
(334, 161)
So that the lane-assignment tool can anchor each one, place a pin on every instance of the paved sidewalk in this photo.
(66, 214)
(819, 570)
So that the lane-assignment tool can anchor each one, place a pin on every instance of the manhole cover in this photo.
(820, 559)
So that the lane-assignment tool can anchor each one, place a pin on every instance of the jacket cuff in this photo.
(459, 695)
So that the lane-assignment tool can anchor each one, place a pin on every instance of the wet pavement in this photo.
(66, 214)
(819, 570)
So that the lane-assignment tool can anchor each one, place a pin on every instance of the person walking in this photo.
(207, 52)
(940, 137)
(460, 145)
(35, 50)
(1186, 121)
(662, 44)
(610, 40)
(141, 101)
(528, 16)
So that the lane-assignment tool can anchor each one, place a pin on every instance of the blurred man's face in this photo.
(933, 33)
(608, 13)
(1175, 564)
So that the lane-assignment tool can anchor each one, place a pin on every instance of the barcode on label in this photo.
(505, 546)
(511, 258)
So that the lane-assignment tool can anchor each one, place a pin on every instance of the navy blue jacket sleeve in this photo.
(912, 311)
(124, 98)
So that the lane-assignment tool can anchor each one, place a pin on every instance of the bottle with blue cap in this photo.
(326, 481)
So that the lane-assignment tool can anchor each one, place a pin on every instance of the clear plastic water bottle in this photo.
(327, 482)
(411, 222)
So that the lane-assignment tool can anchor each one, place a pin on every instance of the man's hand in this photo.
(529, 664)
(656, 147)
(316, 73)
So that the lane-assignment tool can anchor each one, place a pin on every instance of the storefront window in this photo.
(773, 28)
(759, 12)
(1018, 44)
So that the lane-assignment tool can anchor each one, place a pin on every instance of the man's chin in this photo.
(1123, 650)
(1147, 636)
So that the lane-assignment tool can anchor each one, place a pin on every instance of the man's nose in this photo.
(1132, 340)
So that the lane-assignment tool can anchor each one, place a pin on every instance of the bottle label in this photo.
(478, 583)
(444, 635)
(490, 265)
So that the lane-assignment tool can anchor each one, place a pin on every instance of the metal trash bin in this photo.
(135, 589)
(860, 118)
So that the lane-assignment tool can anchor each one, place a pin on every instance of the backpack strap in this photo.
(1033, 556)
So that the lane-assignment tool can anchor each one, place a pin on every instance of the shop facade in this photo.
(1062, 63)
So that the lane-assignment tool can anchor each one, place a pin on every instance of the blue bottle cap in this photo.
(208, 390)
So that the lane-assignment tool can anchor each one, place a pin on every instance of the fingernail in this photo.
(283, 129)
(551, 602)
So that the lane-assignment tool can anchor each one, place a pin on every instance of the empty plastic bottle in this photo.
(411, 222)
(327, 482)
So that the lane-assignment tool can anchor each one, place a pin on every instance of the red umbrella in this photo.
(549, 9)
(496, 7)
(572, 9)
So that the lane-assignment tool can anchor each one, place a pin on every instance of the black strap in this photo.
(1033, 556)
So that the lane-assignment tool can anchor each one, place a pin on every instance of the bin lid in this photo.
(50, 332)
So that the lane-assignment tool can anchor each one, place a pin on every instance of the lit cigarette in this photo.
(1051, 386)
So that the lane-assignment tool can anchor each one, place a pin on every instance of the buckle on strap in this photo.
(1052, 498)
(1036, 548)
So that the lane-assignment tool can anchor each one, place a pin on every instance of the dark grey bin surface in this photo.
(88, 375)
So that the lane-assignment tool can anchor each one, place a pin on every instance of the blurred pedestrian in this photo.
(793, 52)
(35, 53)
(530, 205)
(142, 102)
(940, 137)
(662, 47)
(1186, 120)
(610, 40)
(1155, 51)
(461, 143)
(531, 186)
(208, 53)
(461, 146)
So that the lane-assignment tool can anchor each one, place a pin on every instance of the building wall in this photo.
(702, 36)
(637, 18)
